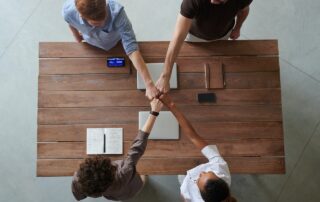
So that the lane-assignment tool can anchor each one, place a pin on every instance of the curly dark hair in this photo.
(215, 191)
(95, 175)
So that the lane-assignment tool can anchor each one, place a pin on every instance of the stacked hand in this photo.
(166, 100)
(152, 92)
(163, 84)
(235, 34)
(156, 105)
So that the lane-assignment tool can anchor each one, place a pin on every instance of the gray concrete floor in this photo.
(295, 23)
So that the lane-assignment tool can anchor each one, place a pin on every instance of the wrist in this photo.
(155, 110)
(149, 83)
(237, 27)
(165, 76)
(154, 113)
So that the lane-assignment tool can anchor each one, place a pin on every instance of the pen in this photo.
(104, 143)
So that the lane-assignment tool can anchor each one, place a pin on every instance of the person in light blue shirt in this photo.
(103, 23)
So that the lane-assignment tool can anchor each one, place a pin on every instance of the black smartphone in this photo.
(206, 97)
(116, 62)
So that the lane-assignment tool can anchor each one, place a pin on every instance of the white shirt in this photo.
(189, 188)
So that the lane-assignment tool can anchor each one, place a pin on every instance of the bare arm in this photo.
(241, 17)
(76, 34)
(181, 30)
(141, 67)
(139, 144)
(156, 106)
(184, 123)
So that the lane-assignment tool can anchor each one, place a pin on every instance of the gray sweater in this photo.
(127, 181)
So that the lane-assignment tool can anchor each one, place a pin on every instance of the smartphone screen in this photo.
(116, 62)
(206, 97)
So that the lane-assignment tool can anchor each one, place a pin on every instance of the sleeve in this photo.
(211, 152)
(66, 12)
(128, 37)
(244, 3)
(214, 157)
(137, 148)
(189, 8)
(75, 189)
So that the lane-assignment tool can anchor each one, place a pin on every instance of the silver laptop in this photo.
(155, 70)
(166, 126)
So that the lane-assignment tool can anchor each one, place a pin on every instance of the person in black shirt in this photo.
(203, 21)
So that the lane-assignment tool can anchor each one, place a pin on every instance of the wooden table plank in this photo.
(250, 64)
(137, 98)
(64, 66)
(124, 115)
(95, 82)
(209, 131)
(164, 148)
(252, 80)
(79, 66)
(170, 166)
(159, 49)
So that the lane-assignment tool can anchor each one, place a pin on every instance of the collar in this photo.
(80, 19)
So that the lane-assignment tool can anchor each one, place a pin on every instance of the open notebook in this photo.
(166, 126)
(155, 70)
(104, 140)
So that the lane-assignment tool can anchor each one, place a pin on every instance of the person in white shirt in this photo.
(207, 182)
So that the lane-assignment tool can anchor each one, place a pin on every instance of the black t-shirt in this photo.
(211, 21)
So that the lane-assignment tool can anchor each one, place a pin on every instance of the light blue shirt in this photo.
(116, 27)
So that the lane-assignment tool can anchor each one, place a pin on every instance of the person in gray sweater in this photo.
(115, 180)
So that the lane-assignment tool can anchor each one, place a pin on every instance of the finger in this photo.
(149, 97)
(158, 94)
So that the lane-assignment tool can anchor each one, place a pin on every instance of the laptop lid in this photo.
(166, 126)
(155, 70)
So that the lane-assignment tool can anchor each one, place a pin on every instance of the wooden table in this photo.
(77, 91)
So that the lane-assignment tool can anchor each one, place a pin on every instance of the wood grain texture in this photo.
(95, 82)
(170, 166)
(80, 66)
(159, 49)
(163, 148)
(62, 66)
(216, 75)
(125, 115)
(209, 131)
(252, 80)
(136, 98)
(77, 91)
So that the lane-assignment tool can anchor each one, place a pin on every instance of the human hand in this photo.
(78, 37)
(235, 34)
(163, 84)
(152, 91)
(156, 105)
(166, 100)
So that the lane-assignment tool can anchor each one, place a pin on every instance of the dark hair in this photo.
(92, 9)
(95, 175)
(215, 191)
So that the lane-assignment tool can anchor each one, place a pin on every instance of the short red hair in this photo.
(92, 9)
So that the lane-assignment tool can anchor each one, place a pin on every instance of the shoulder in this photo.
(69, 10)
(115, 7)
(191, 8)
(243, 3)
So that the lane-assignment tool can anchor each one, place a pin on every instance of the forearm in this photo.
(149, 124)
(76, 33)
(141, 67)
(181, 30)
(188, 128)
(241, 17)
(172, 53)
